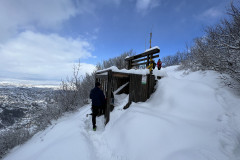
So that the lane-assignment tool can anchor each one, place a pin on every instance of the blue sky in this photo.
(43, 39)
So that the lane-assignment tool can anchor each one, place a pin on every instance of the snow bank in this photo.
(63, 140)
(186, 118)
(190, 116)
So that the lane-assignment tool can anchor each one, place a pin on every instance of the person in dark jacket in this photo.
(98, 100)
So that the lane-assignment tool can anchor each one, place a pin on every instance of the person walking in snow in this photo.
(159, 64)
(98, 100)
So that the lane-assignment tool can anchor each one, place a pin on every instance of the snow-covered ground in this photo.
(20, 105)
(189, 117)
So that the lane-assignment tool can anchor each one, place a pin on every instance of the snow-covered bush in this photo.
(219, 49)
(74, 91)
(119, 61)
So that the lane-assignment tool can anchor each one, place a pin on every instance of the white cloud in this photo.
(38, 56)
(210, 14)
(18, 15)
(144, 5)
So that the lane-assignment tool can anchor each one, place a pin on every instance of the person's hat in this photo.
(97, 84)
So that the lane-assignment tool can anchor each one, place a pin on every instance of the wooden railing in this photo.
(143, 58)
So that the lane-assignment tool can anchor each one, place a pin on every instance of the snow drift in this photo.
(190, 116)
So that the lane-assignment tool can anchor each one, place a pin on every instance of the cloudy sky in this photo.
(41, 40)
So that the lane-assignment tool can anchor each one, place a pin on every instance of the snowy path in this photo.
(98, 137)
(188, 117)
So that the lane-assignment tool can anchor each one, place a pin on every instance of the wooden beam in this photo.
(148, 85)
(100, 72)
(153, 51)
(127, 105)
(101, 76)
(129, 64)
(148, 62)
(117, 74)
(144, 59)
(114, 74)
(138, 64)
(138, 56)
(109, 90)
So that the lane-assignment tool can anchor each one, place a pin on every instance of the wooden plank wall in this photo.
(152, 83)
(116, 83)
(139, 92)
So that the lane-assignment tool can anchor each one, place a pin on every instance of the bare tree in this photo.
(119, 61)
(69, 94)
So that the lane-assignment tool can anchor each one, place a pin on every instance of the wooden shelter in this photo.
(138, 86)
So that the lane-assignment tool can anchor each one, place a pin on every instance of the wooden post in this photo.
(130, 64)
(148, 85)
(147, 60)
(109, 90)
(103, 87)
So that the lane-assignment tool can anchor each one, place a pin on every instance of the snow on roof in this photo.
(156, 47)
(134, 71)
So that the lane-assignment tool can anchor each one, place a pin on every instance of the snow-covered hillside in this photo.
(189, 117)
(18, 105)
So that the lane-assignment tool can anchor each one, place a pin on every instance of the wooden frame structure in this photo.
(138, 91)
(107, 79)
(140, 59)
